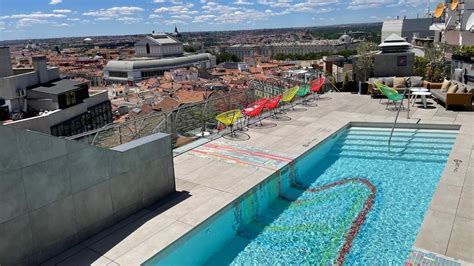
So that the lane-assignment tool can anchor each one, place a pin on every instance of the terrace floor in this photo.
(207, 182)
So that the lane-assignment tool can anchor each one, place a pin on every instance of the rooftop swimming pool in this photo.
(350, 200)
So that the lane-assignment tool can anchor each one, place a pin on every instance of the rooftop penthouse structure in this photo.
(38, 99)
(158, 45)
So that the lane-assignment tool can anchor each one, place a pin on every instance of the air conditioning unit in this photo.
(21, 92)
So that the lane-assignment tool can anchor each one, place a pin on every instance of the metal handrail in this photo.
(398, 113)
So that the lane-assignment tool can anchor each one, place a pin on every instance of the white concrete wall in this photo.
(44, 123)
(55, 193)
(5, 62)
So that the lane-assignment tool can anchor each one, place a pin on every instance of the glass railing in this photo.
(185, 124)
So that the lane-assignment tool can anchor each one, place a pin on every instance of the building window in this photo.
(118, 74)
(402, 61)
(97, 116)
(70, 98)
(147, 48)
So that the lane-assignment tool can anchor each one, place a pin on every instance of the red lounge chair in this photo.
(272, 104)
(317, 85)
(255, 110)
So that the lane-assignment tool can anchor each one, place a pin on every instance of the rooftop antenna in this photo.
(428, 9)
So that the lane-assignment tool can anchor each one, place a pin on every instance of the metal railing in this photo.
(398, 113)
(185, 123)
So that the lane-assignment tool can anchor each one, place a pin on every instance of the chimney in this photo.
(6, 69)
(41, 68)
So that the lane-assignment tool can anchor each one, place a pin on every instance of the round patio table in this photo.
(416, 89)
(423, 95)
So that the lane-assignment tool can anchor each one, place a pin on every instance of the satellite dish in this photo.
(439, 10)
(454, 4)
(470, 23)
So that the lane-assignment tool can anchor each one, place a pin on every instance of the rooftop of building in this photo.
(162, 39)
(208, 183)
(144, 63)
(59, 86)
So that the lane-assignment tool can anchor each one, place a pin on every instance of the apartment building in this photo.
(38, 99)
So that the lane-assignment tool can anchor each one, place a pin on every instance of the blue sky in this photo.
(25, 19)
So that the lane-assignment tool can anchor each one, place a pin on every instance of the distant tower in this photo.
(176, 32)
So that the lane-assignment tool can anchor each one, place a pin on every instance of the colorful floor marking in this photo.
(249, 156)
(419, 257)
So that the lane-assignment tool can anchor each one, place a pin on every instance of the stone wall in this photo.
(55, 193)
(388, 64)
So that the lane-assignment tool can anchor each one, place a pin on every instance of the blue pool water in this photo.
(351, 200)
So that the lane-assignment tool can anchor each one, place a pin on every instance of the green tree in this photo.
(226, 57)
(346, 86)
(438, 67)
(365, 59)
(421, 65)
(189, 49)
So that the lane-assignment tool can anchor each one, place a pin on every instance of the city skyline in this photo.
(24, 19)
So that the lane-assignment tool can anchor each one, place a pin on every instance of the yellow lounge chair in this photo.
(230, 119)
(289, 95)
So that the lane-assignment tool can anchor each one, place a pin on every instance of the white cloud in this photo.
(61, 25)
(364, 4)
(203, 18)
(114, 12)
(34, 15)
(62, 11)
(55, 2)
(28, 22)
(177, 9)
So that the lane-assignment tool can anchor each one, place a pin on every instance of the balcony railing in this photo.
(185, 123)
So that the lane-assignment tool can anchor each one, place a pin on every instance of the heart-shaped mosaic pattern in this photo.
(304, 232)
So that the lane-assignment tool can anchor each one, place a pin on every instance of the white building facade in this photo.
(158, 46)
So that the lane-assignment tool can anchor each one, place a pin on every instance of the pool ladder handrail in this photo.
(398, 113)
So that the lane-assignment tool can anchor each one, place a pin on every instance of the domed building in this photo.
(345, 38)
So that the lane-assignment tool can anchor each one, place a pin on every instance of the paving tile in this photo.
(85, 257)
(446, 198)
(183, 185)
(461, 244)
(199, 195)
(466, 203)
(245, 183)
(435, 232)
(204, 211)
(154, 244)
(130, 236)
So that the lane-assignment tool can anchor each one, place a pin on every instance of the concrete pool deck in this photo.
(206, 184)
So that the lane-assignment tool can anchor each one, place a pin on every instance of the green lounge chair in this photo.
(391, 94)
(303, 92)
